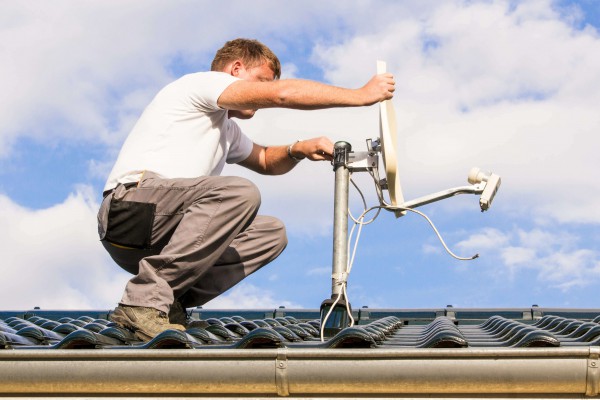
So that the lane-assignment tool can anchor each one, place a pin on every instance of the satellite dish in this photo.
(388, 133)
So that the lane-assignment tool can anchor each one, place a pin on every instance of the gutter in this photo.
(302, 372)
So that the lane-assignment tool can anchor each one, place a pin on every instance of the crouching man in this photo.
(186, 233)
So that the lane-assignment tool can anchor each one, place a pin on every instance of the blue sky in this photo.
(507, 86)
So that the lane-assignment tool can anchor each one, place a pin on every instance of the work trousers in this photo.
(204, 237)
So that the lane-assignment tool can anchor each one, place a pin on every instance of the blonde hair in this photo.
(250, 51)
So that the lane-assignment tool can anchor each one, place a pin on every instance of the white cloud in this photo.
(488, 238)
(289, 71)
(559, 260)
(52, 258)
(567, 270)
(431, 249)
(66, 77)
(540, 239)
(513, 255)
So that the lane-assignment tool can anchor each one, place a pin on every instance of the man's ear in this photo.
(236, 67)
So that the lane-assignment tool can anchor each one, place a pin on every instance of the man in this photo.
(186, 233)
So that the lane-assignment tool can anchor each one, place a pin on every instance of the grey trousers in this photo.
(205, 237)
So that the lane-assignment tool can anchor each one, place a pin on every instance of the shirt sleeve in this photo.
(240, 145)
(205, 88)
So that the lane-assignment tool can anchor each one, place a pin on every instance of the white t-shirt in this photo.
(183, 133)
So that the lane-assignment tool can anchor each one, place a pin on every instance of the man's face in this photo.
(260, 73)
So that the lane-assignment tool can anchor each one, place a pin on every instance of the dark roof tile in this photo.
(241, 329)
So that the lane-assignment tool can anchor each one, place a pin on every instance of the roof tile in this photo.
(380, 328)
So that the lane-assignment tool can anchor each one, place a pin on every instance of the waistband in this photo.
(126, 185)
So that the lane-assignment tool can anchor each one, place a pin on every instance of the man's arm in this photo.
(304, 94)
(274, 160)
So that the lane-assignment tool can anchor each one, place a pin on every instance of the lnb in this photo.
(492, 183)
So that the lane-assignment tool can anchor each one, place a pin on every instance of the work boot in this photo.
(146, 322)
(178, 315)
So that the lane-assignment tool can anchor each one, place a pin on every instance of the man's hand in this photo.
(317, 149)
(380, 87)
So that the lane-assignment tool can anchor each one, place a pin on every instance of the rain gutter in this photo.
(302, 372)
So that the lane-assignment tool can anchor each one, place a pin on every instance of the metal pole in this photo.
(340, 213)
(333, 310)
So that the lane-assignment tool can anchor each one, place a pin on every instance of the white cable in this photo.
(348, 311)
(323, 323)
(351, 259)
(364, 206)
(391, 208)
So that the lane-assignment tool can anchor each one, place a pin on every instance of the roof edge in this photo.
(284, 372)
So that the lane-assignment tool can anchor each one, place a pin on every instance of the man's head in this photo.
(250, 60)
(251, 53)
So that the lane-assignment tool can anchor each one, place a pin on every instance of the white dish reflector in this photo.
(388, 134)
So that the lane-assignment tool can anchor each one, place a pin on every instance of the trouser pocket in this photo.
(130, 223)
